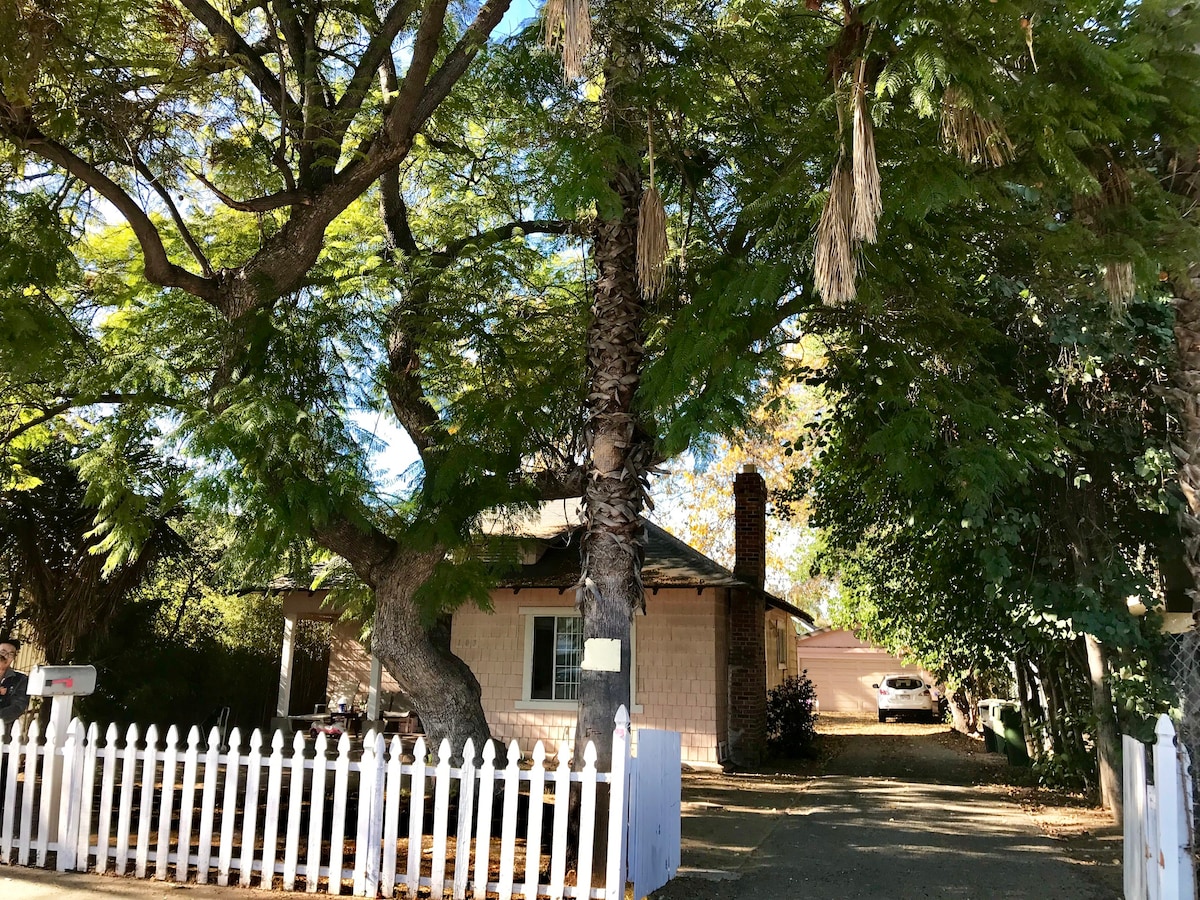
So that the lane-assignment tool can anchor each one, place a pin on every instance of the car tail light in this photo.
(925, 692)
(883, 692)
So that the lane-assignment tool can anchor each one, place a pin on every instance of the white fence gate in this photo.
(1158, 819)
(329, 819)
(656, 812)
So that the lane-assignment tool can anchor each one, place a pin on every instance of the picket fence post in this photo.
(1166, 782)
(391, 816)
(483, 827)
(416, 818)
(68, 810)
(49, 765)
(141, 855)
(208, 805)
(316, 815)
(250, 808)
(466, 809)
(370, 816)
(337, 827)
(166, 803)
(125, 804)
(587, 821)
(1133, 758)
(508, 826)
(291, 851)
(533, 836)
(618, 808)
(441, 820)
(12, 751)
(562, 803)
(84, 837)
(233, 763)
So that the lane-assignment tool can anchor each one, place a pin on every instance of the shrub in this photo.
(791, 716)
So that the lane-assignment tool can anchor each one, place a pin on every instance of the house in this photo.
(844, 669)
(709, 646)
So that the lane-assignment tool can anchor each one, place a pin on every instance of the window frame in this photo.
(528, 614)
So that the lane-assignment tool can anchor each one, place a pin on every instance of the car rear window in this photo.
(905, 684)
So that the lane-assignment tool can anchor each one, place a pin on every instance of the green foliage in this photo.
(792, 716)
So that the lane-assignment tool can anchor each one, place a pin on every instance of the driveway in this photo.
(895, 811)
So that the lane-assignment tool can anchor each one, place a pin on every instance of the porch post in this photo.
(373, 688)
(285, 665)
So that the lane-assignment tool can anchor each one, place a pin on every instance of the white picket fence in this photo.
(366, 821)
(1159, 827)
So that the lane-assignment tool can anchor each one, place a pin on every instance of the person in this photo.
(14, 685)
(14, 700)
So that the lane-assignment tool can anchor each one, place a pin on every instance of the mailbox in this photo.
(62, 681)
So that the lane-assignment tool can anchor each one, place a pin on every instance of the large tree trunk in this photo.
(442, 687)
(610, 586)
(415, 651)
(1108, 739)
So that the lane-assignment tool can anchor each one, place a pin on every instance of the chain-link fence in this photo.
(1182, 665)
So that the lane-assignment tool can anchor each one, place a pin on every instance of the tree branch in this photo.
(373, 57)
(446, 255)
(184, 232)
(50, 412)
(456, 62)
(247, 58)
(399, 119)
(366, 549)
(18, 125)
(266, 203)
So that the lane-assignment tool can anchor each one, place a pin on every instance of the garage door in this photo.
(845, 685)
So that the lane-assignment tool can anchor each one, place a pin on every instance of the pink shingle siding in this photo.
(679, 661)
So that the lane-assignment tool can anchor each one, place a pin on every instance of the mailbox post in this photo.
(62, 684)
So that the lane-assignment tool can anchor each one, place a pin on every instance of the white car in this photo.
(899, 695)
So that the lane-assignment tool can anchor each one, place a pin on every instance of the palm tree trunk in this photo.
(610, 581)
(1184, 181)
(1185, 383)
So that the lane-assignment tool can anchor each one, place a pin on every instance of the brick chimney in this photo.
(747, 704)
(750, 526)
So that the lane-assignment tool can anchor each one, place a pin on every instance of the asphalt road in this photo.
(894, 815)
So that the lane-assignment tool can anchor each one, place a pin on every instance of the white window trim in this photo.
(528, 613)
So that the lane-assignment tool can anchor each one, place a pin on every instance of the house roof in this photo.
(551, 536)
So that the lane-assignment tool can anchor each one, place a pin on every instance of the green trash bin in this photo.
(1012, 733)
(987, 715)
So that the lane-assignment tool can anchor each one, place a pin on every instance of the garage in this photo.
(844, 668)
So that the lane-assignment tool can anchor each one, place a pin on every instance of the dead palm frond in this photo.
(834, 266)
(1099, 212)
(975, 138)
(567, 28)
(651, 243)
(867, 203)
(652, 232)
(1119, 283)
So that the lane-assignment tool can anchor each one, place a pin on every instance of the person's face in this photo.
(7, 654)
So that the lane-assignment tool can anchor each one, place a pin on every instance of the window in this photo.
(554, 657)
(557, 652)
(780, 645)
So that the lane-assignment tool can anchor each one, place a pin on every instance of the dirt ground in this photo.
(891, 810)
